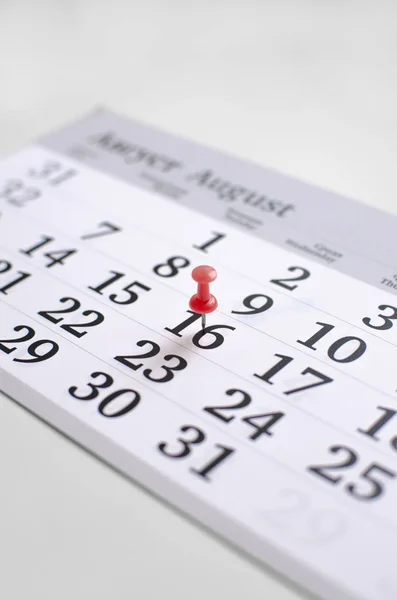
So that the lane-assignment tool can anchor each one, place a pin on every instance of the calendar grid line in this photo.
(244, 443)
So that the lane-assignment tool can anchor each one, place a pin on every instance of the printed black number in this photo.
(155, 349)
(217, 237)
(62, 177)
(105, 404)
(217, 411)
(73, 327)
(131, 295)
(94, 387)
(49, 168)
(387, 415)
(321, 379)
(51, 172)
(172, 266)
(32, 348)
(44, 241)
(349, 460)
(110, 405)
(285, 282)
(359, 346)
(56, 257)
(6, 266)
(16, 193)
(181, 363)
(184, 444)
(105, 228)
(249, 302)
(24, 338)
(195, 437)
(48, 314)
(373, 486)
(225, 452)
(10, 186)
(262, 423)
(198, 338)
(387, 320)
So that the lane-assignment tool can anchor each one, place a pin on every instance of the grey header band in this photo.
(333, 230)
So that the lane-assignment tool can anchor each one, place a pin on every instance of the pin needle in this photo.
(203, 302)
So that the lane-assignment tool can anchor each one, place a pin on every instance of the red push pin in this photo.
(203, 302)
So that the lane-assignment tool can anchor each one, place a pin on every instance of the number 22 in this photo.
(72, 327)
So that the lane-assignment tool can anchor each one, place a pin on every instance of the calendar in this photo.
(274, 423)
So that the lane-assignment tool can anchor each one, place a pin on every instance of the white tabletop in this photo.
(307, 87)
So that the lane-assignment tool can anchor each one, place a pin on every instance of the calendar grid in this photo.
(253, 383)
(244, 443)
(150, 277)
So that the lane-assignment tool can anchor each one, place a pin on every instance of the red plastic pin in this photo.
(203, 302)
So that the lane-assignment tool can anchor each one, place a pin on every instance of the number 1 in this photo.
(204, 472)
(217, 237)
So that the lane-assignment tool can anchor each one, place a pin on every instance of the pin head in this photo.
(203, 302)
(204, 274)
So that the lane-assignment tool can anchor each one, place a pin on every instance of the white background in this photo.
(307, 87)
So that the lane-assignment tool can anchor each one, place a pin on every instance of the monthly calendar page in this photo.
(275, 422)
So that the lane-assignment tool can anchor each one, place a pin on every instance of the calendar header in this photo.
(331, 229)
(207, 179)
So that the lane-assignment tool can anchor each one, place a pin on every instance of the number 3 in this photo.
(387, 320)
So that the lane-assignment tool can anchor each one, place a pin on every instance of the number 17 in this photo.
(321, 379)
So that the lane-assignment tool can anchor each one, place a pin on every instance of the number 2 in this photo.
(284, 283)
